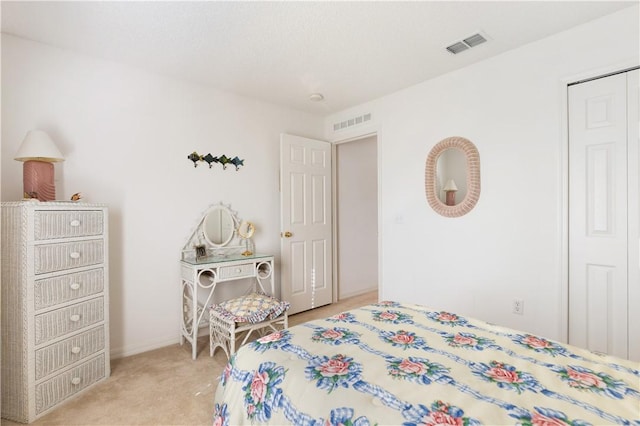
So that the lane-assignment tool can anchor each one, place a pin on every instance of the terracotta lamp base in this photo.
(38, 180)
(451, 198)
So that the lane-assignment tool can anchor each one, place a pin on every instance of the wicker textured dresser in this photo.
(55, 292)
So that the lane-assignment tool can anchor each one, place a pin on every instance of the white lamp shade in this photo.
(38, 146)
(450, 186)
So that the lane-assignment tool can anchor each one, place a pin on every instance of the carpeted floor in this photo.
(164, 386)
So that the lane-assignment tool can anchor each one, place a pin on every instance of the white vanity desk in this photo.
(219, 249)
(201, 276)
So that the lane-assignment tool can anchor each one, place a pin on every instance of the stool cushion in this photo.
(253, 308)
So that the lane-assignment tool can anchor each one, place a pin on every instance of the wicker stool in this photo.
(254, 312)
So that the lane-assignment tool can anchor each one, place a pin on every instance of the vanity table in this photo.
(220, 249)
(201, 276)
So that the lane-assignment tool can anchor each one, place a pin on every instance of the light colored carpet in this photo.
(164, 386)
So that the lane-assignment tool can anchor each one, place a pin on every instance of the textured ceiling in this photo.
(281, 52)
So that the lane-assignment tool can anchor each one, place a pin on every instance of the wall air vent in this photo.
(352, 122)
(467, 43)
(474, 40)
(458, 47)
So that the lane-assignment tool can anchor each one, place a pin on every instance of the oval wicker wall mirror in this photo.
(452, 187)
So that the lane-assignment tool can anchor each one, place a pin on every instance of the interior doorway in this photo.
(356, 199)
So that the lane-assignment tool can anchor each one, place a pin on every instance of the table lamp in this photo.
(450, 190)
(38, 152)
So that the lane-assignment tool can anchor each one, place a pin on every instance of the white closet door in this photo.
(633, 114)
(598, 310)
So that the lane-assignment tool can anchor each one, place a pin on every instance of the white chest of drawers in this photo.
(55, 310)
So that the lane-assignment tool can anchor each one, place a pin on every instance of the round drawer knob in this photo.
(75, 255)
(75, 317)
(75, 381)
(74, 286)
(238, 270)
(75, 350)
(75, 222)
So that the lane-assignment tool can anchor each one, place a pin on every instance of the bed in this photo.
(403, 364)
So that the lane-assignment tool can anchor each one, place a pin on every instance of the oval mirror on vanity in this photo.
(219, 226)
(452, 177)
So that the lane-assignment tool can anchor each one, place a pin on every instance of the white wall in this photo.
(357, 221)
(512, 244)
(126, 135)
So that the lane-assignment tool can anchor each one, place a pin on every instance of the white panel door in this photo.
(598, 215)
(306, 224)
(633, 140)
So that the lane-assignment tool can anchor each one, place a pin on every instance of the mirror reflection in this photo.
(451, 176)
(218, 226)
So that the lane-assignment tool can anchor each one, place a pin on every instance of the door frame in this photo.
(334, 200)
(563, 217)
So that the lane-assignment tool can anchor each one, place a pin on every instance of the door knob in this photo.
(288, 234)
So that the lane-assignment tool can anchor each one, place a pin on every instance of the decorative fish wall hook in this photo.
(210, 160)
(224, 160)
(195, 157)
(237, 162)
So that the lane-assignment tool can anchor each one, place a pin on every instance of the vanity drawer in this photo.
(61, 387)
(66, 352)
(61, 256)
(65, 288)
(66, 224)
(237, 271)
(66, 320)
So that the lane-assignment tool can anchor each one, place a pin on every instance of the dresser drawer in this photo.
(66, 224)
(61, 387)
(65, 288)
(61, 256)
(237, 271)
(66, 320)
(59, 355)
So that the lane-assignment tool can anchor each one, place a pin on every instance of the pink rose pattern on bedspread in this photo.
(389, 363)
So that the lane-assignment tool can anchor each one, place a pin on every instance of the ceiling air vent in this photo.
(471, 41)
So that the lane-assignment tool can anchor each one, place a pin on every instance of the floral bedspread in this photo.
(393, 364)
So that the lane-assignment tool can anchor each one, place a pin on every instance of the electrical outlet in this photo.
(518, 306)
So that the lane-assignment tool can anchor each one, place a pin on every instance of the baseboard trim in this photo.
(152, 345)
(138, 349)
(358, 293)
